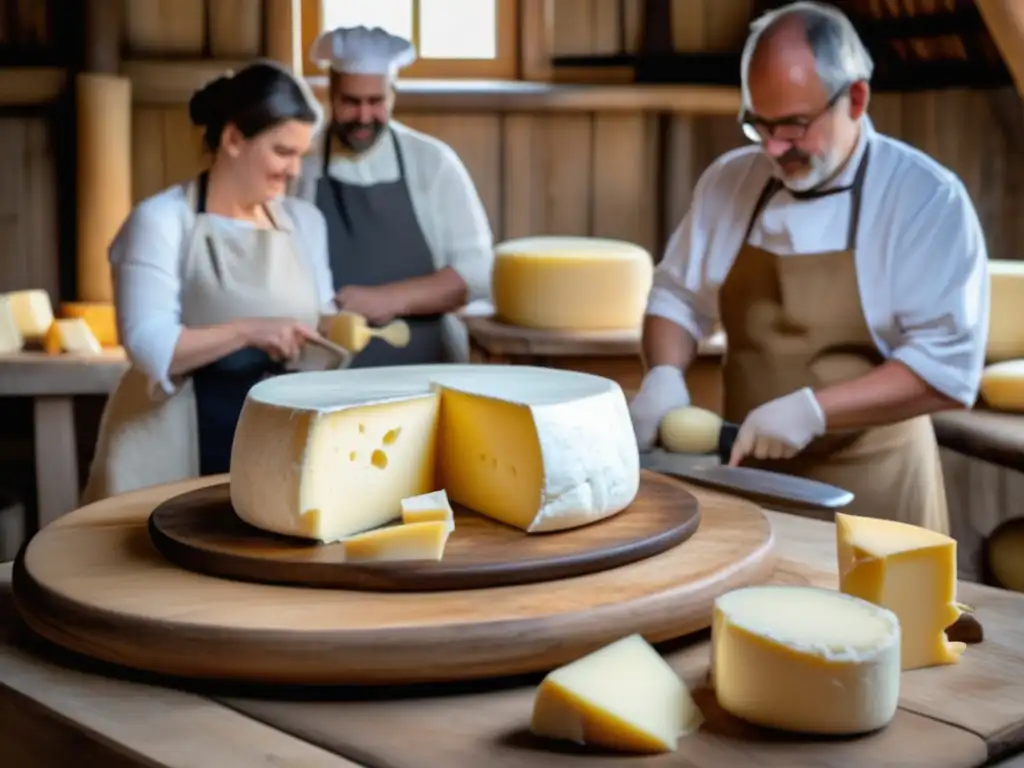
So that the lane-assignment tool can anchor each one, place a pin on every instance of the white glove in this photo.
(780, 428)
(662, 389)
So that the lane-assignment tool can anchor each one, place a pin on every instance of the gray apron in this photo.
(374, 238)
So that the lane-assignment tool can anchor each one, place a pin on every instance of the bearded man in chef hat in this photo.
(407, 234)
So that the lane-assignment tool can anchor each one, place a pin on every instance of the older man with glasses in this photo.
(847, 269)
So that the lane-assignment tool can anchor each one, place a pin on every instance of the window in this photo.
(453, 38)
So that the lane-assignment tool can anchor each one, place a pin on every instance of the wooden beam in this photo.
(282, 33)
(536, 39)
(1005, 21)
(31, 86)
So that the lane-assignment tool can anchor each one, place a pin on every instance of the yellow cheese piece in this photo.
(32, 311)
(1002, 385)
(11, 339)
(690, 430)
(1006, 313)
(806, 660)
(912, 572)
(71, 336)
(413, 541)
(100, 318)
(1004, 554)
(623, 697)
(571, 283)
(428, 507)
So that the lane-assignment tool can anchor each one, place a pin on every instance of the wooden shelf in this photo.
(30, 86)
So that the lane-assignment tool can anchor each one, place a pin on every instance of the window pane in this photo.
(458, 29)
(393, 15)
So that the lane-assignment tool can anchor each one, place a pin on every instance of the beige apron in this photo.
(147, 437)
(797, 321)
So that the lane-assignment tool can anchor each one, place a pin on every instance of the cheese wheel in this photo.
(571, 283)
(1006, 313)
(805, 660)
(327, 454)
(1002, 385)
(690, 430)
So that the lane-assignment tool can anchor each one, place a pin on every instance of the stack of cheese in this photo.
(427, 521)
(800, 659)
(1002, 382)
(27, 320)
(328, 454)
(571, 283)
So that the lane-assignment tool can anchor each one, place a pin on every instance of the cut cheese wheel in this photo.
(327, 454)
(912, 572)
(415, 541)
(100, 318)
(72, 336)
(11, 339)
(1002, 386)
(1006, 312)
(571, 283)
(690, 430)
(805, 660)
(428, 507)
(623, 697)
(32, 311)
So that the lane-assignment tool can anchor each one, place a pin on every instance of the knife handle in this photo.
(726, 437)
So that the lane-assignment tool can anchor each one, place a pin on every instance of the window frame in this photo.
(504, 66)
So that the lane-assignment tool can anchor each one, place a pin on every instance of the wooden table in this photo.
(53, 382)
(55, 710)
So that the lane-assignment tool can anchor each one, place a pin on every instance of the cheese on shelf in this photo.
(912, 572)
(571, 283)
(11, 339)
(1006, 313)
(623, 697)
(73, 336)
(32, 312)
(428, 507)
(805, 660)
(100, 318)
(328, 454)
(412, 541)
(1002, 385)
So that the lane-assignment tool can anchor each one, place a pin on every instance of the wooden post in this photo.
(282, 33)
(102, 36)
(536, 39)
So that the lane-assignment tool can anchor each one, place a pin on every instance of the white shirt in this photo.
(444, 200)
(146, 258)
(922, 265)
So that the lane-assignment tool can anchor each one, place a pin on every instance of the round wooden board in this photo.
(200, 531)
(94, 583)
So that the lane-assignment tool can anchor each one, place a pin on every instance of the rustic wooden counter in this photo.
(54, 709)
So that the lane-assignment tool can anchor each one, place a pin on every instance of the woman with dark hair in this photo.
(219, 282)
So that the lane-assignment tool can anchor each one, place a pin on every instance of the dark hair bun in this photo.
(208, 105)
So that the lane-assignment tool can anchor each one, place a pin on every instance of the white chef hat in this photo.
(362, 51)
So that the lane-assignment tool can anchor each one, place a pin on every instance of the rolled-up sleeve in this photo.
(144, 259)
(466, 231)
(940, 293)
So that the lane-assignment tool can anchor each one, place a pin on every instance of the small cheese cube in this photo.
(428, 507)
(73, 336)
(11, 339)
(1002, 386)
(415, 541)
(33, 312)
(623, 697)
(912, 572)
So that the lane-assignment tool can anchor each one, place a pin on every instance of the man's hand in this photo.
(377, 303)
(780, 428)
(663, 389)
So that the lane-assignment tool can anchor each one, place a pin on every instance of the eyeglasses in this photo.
(758, 130)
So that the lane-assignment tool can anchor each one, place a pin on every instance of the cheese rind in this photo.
(571, 283)
(623, 696)
(32, 311)
(428, 507)
(805, 660)
(1002, 386)
(910, 571)
(1006, 299)
(412, 541)
(538, 449)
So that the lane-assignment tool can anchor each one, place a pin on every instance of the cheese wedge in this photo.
(415, 541)
(623, 697)
(571, 283)
(805, 660)
(428, 507)
(72, 336)
(1002, 386)
(328, 454)
(32, 311)
(912, 572)
(100, 317)
(1006, 311)
(11, 339)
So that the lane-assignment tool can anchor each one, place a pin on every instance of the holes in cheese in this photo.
(1005, 329)
(328, 454)
(33, 312)
(910, 571)
(806, 660)
(1002, 385)
(413, 541)
(623, 697)
(690, 430)
(571, 283)
(428, 507)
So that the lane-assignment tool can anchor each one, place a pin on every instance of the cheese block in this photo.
(571, 283)
(11, 339)
(100, 317)
(1006, 311)
(73, 336)
(623, 697)
(805, 660)
(1002, 386)
(414, 541)
(32, 311)
(428, 507)
(327, 454)
(1004, 555)
(690, 430)
(912, 572)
